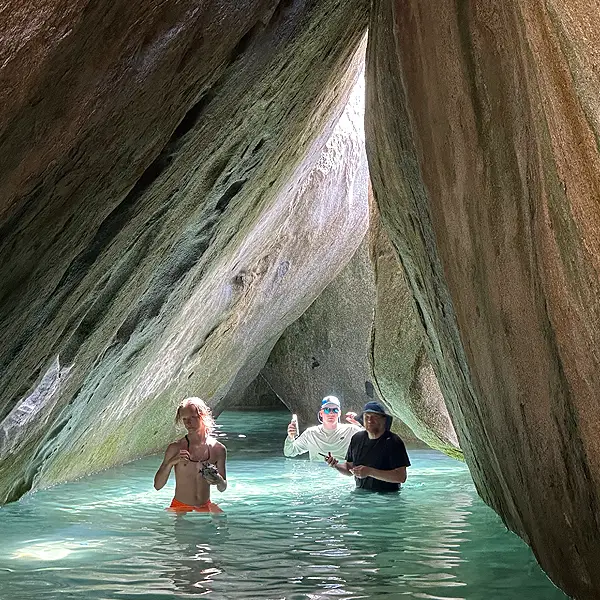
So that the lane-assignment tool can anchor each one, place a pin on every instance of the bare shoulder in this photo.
(216, 446)
(173, 448)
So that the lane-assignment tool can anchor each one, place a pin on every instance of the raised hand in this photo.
(181, 457)
(292, 430)
(210, 473)
(351, 418)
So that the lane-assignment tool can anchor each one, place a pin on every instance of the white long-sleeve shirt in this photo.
(318, 439)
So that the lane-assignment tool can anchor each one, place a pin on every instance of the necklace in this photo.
(207, 451)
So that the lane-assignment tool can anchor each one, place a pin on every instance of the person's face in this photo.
(190, 418)
(330, 416)
(374, 423)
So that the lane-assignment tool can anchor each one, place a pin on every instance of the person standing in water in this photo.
(376, 457)
(331, 436)
(198, 459)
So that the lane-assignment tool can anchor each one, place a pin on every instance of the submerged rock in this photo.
(482, 132)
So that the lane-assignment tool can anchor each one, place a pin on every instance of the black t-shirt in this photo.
(387, 452)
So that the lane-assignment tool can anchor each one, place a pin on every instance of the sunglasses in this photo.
(328, 411)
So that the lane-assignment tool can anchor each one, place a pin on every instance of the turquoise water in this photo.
(293, 530)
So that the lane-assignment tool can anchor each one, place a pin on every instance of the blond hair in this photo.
(204, 413)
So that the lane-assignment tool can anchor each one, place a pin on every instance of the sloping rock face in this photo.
(482, 137)
(361, 340)
(326, 220)
(402, 371)
(143, 148)
(326, 351)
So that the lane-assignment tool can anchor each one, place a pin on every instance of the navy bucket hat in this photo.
(378, 409)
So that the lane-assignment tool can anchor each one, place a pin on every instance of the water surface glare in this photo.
(292, 530)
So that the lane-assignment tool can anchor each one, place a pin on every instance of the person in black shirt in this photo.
(376, 457)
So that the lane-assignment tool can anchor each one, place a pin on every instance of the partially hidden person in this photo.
(330, 436)
(376, 457)
(198, 458)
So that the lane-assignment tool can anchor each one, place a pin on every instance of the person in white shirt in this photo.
(330, 436)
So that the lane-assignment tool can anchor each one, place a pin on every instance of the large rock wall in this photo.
(482, 137)
(326, 218)
(402, 371)
(361, 339)
(326, 351)
(142, 148)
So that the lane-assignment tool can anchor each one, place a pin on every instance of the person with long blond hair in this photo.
(198, 459)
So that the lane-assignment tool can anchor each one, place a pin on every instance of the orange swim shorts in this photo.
(207, 507)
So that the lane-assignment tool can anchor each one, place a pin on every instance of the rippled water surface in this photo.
(292, 530)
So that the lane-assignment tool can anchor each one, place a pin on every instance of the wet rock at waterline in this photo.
(482, 129)
(142, 151)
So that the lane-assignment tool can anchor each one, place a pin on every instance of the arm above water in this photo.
(397, 475)
(170, 460)
(221, 465)
(345, 468)
(299, 445)
(207, 471)
(351, 420)
(398, 461)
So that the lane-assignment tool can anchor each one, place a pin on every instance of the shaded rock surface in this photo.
(402, 371)
(364, 323)
(142, 149)
(259, 395)
(326, 350)
(482, 137)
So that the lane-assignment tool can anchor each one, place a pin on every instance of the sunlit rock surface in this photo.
(326, 351)
(482, 136)
(143, 148)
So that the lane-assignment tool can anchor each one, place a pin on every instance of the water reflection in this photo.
(197, 560)
(291, 529)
